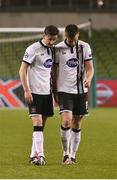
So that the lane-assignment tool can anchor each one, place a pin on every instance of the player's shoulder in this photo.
(83, 43)
(60, 45)
(33, 47)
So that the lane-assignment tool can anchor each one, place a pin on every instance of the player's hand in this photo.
(87, 83)
(28, 97)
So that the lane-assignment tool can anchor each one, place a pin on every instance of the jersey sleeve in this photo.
(29, 55)
(87, 52)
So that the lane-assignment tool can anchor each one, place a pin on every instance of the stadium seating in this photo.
(103, 42)
(104, 45)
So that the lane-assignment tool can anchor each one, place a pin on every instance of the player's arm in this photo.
(23, 78)
(89, 72)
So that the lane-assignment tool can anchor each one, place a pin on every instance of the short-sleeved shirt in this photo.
(72, 67)
(39, 57)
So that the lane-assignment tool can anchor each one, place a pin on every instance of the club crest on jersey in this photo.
(72, 62)
(48, 63)
(90, 55)
(26, 55)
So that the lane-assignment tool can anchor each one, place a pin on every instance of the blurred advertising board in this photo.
(106, 93)
(12, 96)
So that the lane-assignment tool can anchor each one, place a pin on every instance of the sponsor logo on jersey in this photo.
(48, 63)
(72, 62)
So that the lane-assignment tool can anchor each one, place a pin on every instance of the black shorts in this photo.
(77, 103)
(41, 105)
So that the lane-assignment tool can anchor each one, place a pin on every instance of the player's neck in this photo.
(70, 44)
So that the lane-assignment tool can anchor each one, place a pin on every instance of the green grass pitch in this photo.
(97, 153)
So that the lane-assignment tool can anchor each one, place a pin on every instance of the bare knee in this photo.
(77, 122)
(37, 120)
(66, 119)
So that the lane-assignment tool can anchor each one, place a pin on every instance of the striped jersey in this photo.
(39, 57)
(71, 66)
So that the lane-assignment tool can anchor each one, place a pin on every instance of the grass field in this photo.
(97, 153)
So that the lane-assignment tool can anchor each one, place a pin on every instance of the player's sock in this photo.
(75, 141)
(33, 150)
(38, 140)
(65, 139)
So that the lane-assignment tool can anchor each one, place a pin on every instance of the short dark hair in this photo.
(71, 30)
(51, 30)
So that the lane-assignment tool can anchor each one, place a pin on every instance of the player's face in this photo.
(72, 41)
(50, 40)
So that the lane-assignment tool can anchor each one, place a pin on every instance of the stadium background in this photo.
(39, 13)
(98, 150)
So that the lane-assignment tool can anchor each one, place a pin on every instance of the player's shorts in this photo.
(77, 103)
(41, 105)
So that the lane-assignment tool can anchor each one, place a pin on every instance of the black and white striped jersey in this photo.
(71, 66)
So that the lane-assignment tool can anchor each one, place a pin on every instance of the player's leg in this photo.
(44, 109)
(33, 149)
(75, 137)
(80, 109)
(36, 111)
(65, 103)
(65, 133)
(38, 139)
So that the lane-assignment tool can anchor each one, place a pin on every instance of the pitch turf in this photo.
(97, 153)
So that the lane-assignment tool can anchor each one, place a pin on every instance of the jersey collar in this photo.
(45, 46)
(69, 44)
(71, 47)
